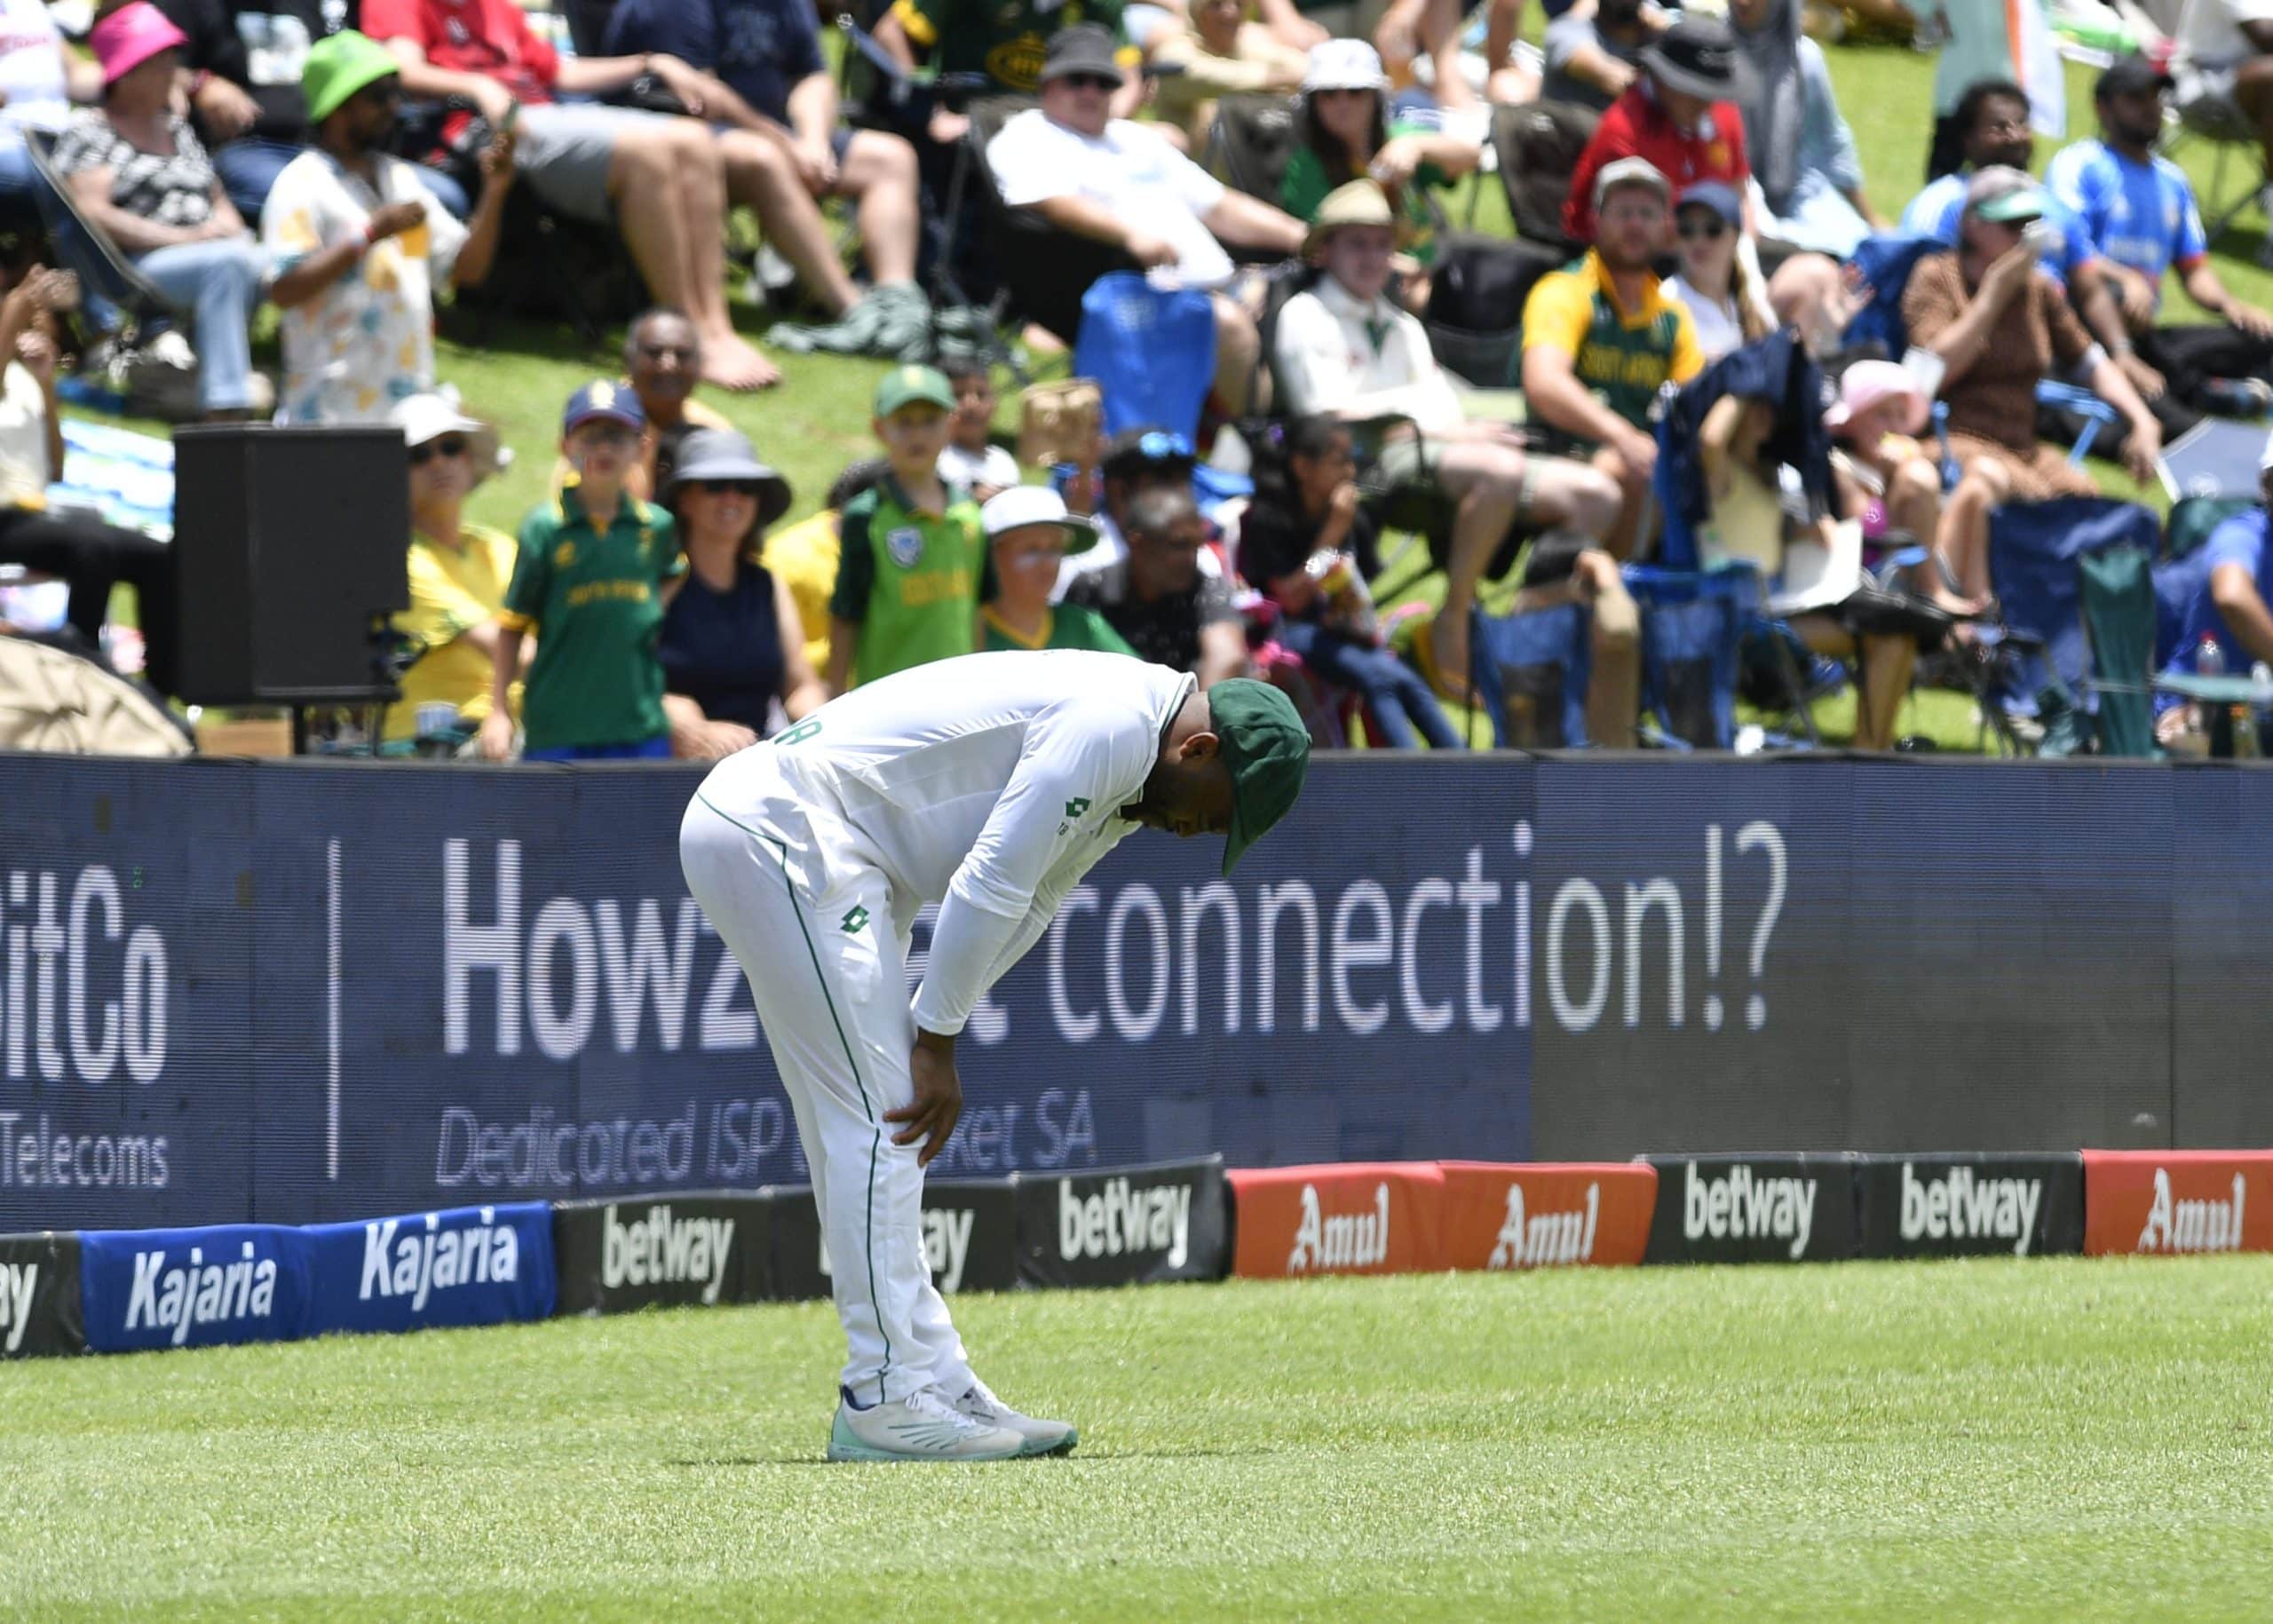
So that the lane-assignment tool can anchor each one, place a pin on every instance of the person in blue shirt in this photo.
(2140, 211)
(768, 52)
(2237, 582)
(1993, 118)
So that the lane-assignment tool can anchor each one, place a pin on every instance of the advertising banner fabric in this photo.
(970, 1237)
(2178, 1201)
(192, 1288)
(469, 1265)
(673, 1251)
(1754, 1209)
(39, 1296)
(1952, 1206)
(1501, 1216)
(1345, 1218)
(1130, 1226)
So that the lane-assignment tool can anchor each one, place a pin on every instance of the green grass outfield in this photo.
(2012, 1439)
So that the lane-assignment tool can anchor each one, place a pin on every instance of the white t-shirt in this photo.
(1335, 354)
(367, 341)
(988, 784)
(1128, 171)
(1718, 331)
(31, 67)
(23, 472)
(992, 467)
(2209, 31)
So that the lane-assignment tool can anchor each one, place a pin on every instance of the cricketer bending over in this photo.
(989, 785)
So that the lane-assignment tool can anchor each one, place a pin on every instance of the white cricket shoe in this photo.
(923, 1426)
(1042, 1437)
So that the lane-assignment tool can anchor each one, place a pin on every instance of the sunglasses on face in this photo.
(1091, 81)
(448, 445)
(727, 487)
(1711, 230)
(609, 434)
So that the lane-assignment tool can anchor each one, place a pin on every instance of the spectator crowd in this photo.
(1718, 352)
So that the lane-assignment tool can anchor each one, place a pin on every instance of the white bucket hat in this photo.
(1344, 65)
(429, 416)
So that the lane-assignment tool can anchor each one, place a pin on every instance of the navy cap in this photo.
(601, 398)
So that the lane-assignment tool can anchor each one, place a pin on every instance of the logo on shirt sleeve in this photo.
(1075, 807)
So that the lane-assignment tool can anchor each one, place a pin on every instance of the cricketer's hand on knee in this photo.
(931, 1117)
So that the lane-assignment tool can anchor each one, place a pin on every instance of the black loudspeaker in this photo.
(292, 543)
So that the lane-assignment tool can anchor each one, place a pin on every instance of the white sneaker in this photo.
(922, 1427)
(1042, 1437)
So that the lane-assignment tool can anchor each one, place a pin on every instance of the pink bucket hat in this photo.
(1867, 383)
(131, 36)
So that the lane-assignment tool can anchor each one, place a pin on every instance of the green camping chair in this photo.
(2192, 519)
(2118, 592)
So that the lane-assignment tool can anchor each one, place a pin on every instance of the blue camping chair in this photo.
(2034, 549)
(1151, 352)
(1694, 625)
(1530, 671)
(1885, 262)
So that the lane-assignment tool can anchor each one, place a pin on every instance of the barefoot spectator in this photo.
(358, 241)
(659, 179)
(459, 571)
(136, 170)
(732, 646)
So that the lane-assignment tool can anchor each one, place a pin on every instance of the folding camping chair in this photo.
(2036, 552)
(1531, 672)
(1251, 143)
(1538, 146)
(117, 296)
(1151, 352)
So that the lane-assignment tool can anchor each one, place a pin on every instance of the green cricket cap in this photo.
(1268, 750)
(338, 66)
(904, 384)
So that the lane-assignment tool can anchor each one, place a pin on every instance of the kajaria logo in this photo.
(1963, 1206)
(17, 1281)
(1119, 1219)
(430, 1258)
(1345, 1241)
(946, 1245)
(178, 1297)
(2192, 1226)
(1739, 1205)
(661, 1250)
(1542, 1240)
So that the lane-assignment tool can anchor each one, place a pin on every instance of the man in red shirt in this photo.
(1676, 115)
(662, 179)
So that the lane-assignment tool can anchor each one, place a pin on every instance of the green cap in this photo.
(1268, 750)
(903, 384)
(340, 65)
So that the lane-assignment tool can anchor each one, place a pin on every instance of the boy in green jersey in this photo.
(914, 568)
(587, 580)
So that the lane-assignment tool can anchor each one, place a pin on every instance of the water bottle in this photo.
(2209, 660)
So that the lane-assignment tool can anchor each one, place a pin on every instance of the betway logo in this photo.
(17, 1281)
(2192, 1226)
(1962, 1206)
(946, 1245)
(177, 1300)
(662, 1251)
(1346, 1240)
(1546, 1238)
(432, 1258)
(1118, 1219)
(1742, 1206)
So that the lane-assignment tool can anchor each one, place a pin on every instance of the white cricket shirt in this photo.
(988, 784)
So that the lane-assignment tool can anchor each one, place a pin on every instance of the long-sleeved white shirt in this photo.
(988, 784)
(1354, 357)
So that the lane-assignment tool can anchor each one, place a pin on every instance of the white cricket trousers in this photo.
(785, 882)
